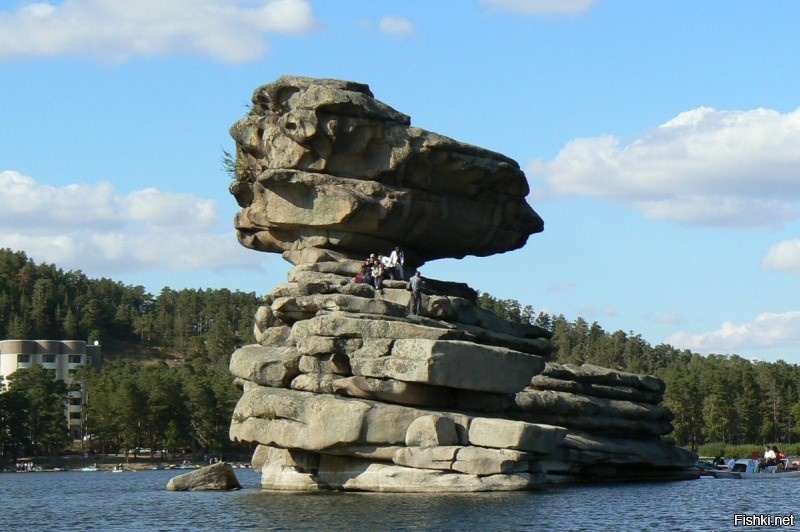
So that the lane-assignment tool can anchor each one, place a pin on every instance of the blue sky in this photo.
(661, 141)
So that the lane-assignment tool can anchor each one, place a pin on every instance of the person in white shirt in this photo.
(769, 456)
(396, 260)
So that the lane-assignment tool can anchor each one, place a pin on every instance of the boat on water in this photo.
(719, 473)
(710, 469)
(752, 469)
(118, 469)
(26, 465)
(89, 469)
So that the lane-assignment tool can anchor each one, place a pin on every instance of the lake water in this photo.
(139, 501)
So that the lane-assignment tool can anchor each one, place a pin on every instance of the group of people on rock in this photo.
(377, 268)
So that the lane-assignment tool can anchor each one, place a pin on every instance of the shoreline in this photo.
(110, 463)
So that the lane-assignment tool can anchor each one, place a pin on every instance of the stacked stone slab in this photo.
(344, 389)
(615, 423)
(348, 391)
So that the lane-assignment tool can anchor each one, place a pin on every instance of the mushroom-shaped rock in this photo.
(216, 477)
(321, 163)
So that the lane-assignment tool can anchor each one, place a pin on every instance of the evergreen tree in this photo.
(46, 403)
(14, 433)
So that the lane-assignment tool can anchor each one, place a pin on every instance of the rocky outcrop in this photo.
(345, 389)
(216, 477)
(323, 164)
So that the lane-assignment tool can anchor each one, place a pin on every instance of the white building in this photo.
(61, 358)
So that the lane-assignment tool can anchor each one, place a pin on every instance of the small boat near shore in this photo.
(751, 469)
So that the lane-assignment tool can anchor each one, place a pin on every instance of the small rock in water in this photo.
(216, 477)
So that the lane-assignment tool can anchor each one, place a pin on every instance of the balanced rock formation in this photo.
(322, 164)
(345, 389)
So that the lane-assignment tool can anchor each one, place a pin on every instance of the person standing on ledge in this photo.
(415, 285)
(396, 260)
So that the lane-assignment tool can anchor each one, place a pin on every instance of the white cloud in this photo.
(170, 250)
(395, 25)
(231, 31)
(34, 206)
(669, 319)
(768, 329)
(703, 167)
(541, 7)
(560, 287)
(165, 209)
(783, 256)
(89, 227)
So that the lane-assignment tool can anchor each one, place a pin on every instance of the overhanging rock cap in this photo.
(323, 164)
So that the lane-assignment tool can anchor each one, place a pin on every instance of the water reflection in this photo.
(386, 511)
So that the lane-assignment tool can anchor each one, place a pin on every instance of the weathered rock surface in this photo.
(216, 477)
(267, 366)
(323, 164)
(431, 431)
(595, 399)
(596, 380)
(393, 391)
(363, 475)
(469, 460)
(508, 434)
(345, 389)
(452, 363)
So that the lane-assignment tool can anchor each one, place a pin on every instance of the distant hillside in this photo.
(41, 301)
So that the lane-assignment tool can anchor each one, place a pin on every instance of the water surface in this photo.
(139, 501)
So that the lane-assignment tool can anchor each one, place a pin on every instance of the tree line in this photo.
(43, 302)
(185, 407)
(716, 398)
(164, 382)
